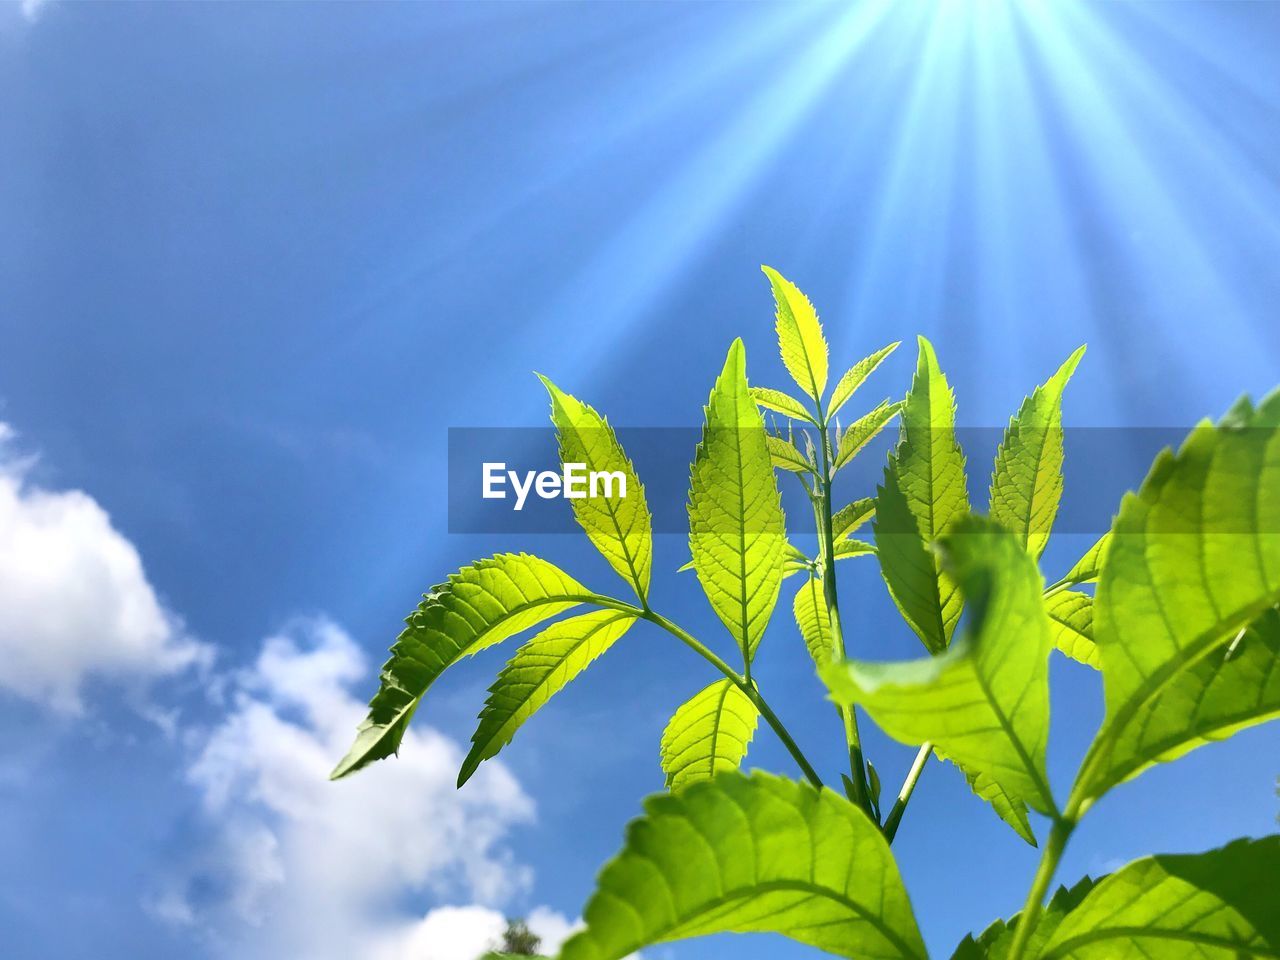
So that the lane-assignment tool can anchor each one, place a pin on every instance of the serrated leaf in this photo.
(751, 855)
(1071, 616)
(800, 341)
(783, 403)
(1219, 905)
(814, 621)
(856, 376)
(1007, 807)
(1089, 566)
(478, 606)
(1026, 484)
(619, 526)
(863, 431)
(923, 493)
(994, 942)
(985, 702)
(708, 734)
(737, 534)
(783, 454)
(1233, 688)
(851, 516)
(1194, 557)
(852, 548)
(539, 670)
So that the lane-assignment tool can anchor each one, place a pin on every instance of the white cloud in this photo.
(75, 602)
(300, 866)
(464, 933)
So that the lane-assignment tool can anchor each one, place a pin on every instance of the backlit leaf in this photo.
(1219, 905)
(851, 516)
(538, 671)
(856, 376)
(985, 702)
(804, 351)
(783, 454)
(479, 606)
(863, 431)
(746, 855)
(708, 734)
(619, 526)
(737, 535)
(1089, 566)
(1194, 557)
(923, 493)
(1026, 485)
(814, 621)
(1071, 616)
(780, 402)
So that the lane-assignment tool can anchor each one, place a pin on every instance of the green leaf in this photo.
(620, 527)
(783, 403)
(852, 548)
(708, 734)
(1234, 687)
(1071, 616)
(874, 786)
(814, 621)
(737, 534)
(1219, 905)
(923, 493)
(1089, 566)
(1026, 485)
(539, 670)
(479, 606)
(1194, 557)
(995, 941)
(863, 431)
(856, 376)
(985, 702)
(1008, 808)
(851, 516)
(804, 351)
(783, 454)
(751, 855)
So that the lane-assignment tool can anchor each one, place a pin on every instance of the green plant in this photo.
(1182, 626)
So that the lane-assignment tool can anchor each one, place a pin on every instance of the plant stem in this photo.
(826, 539)
(1053, 848)
(904, 795)
(741, 682)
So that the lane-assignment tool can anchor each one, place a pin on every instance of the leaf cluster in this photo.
(1175, 607)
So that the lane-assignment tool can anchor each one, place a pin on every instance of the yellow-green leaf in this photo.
(984, 703)
(1194, 557)
(1071, 617)
(814, 621)
(851, 516)
(856, 376)
(863, 431)
(804, 351)
(783, 403)
(752, 854)
(737, 533)
(619, 526)
(709, 734)
(784, 455)
(1089, 566)
(1219, 905)
(923, 493)
(1026, 484)
(539, 670)
(479, 606)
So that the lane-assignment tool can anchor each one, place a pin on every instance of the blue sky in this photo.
(255, 260)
